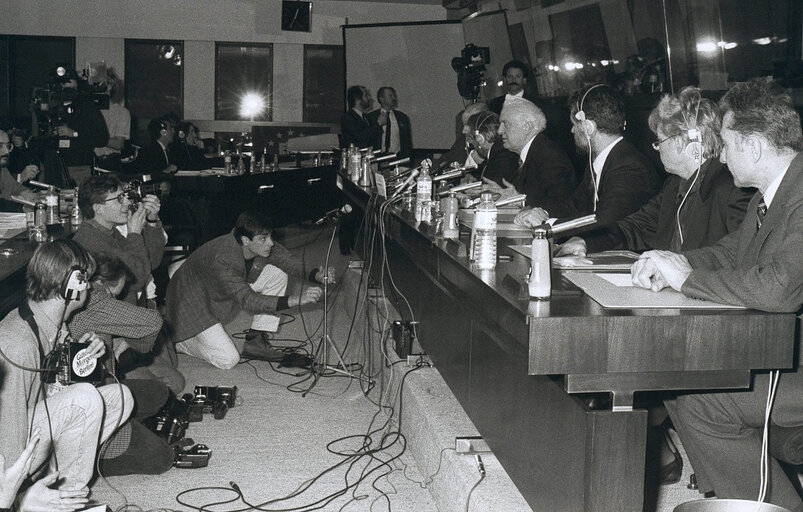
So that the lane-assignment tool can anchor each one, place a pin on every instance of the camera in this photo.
(70, 363)
(55, 103)
(470, 68)
(194, 456)
(136, 190)
(215, 399)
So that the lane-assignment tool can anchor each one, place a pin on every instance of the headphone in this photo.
(694, 150)
(74, 282)
(478, 123)
(580, 115)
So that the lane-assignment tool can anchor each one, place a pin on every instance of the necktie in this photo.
(761, 211)
(387, 134)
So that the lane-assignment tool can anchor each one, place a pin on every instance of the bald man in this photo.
(546, 172)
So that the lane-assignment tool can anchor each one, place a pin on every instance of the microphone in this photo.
(333, 214)
(448, 175)
(42, 185)
(399, 189)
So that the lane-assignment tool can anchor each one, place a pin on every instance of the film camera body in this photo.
(136, 189)
(470, 68)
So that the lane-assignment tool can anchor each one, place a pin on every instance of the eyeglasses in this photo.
(657, 144)
(8, 145)
(121, 198)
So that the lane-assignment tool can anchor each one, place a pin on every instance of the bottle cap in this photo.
(486, 196)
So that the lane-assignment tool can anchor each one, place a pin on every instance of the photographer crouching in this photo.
(73, 419)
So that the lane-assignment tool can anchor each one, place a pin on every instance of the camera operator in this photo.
(72, 419)
(83, 128)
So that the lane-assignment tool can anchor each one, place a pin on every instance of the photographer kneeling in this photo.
(73, 419)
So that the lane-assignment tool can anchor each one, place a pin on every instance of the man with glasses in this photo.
(698, 204)
(10, 187)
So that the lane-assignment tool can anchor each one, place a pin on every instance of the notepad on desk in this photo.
(617, 291)
(607, 260)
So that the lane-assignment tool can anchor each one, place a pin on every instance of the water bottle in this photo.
(423, 193)
(76, 217)
(449, 207)
(52, 204)
(262, 161)
(540, 281)
(365, 169)
(355, 163)
(227, 162)
(483, 233)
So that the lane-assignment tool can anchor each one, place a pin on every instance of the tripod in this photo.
(326, 341)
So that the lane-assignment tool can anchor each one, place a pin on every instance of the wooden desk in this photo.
(288, 196)
(516, 366)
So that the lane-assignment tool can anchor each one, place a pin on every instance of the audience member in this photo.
(397, 133)
(9, 186)
(618, 180)
(355, 126)
(240, 271)
(22, 161)
(187, 151)
(153, 159)
(546, 172)
(698, 204)
(73, 419)
(118, 122)
(759, 266)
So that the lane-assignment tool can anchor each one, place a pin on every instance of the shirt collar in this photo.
(599, 162)
(525, 150)
(769, 194)
(519, 94)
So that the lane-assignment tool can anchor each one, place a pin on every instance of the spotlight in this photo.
(251, 105)
(707, 46)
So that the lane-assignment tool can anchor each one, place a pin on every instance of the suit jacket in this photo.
(405, 131)
(714, 207)
(761, 269)
(547, 174)
(358, 131)
(500, 164)
(627, 181)
(212, 287)
(152, 160)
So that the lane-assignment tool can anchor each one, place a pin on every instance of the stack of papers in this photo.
(11, 224)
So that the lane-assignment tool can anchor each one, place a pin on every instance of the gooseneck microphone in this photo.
(334, 214)
(413, 175)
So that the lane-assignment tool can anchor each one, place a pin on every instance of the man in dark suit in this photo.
(355, 127)
(618, 179)
(499, 164)
(546, 171)
(759, 266)
(514, 73)
(153, 159)
(397, 133)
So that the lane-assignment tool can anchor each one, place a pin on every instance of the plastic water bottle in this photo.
(484, 233)
(76, 217)
(540, 282)
(423, 193)
(52, 204)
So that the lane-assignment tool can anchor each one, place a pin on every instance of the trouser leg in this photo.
(212, 345)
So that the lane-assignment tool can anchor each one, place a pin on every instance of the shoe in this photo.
(257, 347)
(659, 445)
(670, 473)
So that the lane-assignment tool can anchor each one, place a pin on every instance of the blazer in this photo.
(358, 131)
(405, 131)
(714, 207)
(212, 287)
(547, 174)
(500, 164)
(152, 160)
(758, 268)
(627, 181)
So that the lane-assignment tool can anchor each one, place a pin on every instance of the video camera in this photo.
(470, 68)
(55, 103)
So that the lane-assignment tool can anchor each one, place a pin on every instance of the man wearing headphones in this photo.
(499, 164)
(618, 180)
(154, 159)
(698, 204)
(74, 419)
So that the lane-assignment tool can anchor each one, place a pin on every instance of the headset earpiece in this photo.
(694, 150)
(580, 116)
(74, 282)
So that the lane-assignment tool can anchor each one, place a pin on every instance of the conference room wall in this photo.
(100, 29)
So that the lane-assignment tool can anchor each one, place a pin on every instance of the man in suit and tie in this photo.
(759, 266)
(498, 164)
(355, 127)
(397, 134)
(546, 171)
(618, 180)
(153, 159)
(514, 74)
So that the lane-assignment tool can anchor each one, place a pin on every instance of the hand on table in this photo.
(656, 270)
(531, 217)
(575, 246)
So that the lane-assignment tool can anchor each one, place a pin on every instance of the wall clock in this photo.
(296, 16)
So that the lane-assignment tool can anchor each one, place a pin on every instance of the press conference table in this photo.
(522, 370)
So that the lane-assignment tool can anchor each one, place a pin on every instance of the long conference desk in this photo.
(522, 370)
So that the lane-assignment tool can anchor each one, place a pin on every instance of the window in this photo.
(28, 62)
(243, 81)
(154, 77)
(323, 83)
